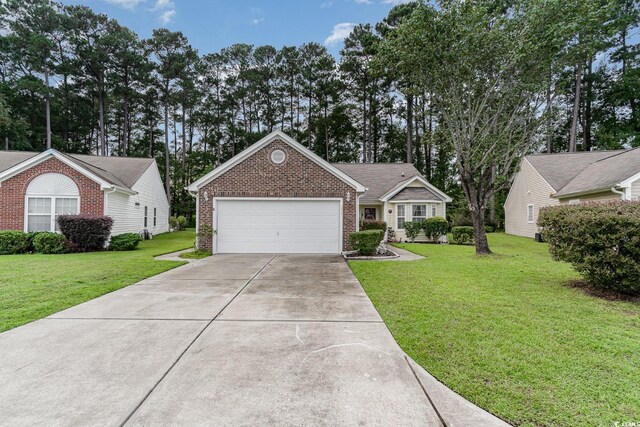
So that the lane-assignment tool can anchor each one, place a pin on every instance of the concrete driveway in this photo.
(229, 340)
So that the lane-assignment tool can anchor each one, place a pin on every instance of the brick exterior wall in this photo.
(297, 176)
(13, 191)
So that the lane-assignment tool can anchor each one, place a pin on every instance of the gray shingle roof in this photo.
(415, 193)
(558, 169)
(582, 172)
(120, 171)
(605, 173)
(379, 178)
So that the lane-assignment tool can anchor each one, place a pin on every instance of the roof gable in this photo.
(379, 178)
(275, 136)
(560, 168)
(604, 174)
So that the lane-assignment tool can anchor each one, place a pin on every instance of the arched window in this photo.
(48, 196)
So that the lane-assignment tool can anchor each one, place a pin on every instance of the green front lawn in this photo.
(35, 286)
(509, 334)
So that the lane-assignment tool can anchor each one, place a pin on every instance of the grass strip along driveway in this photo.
(35, 286)
(508, 333)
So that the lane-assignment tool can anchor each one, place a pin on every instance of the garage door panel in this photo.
(278, 226)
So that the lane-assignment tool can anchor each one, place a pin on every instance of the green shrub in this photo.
(178, 223)
(366, 242)
(435, 227)
(462, 219)
(489, 229)
(50, 243)
(86, 232)
(600, 240)
(411, 229)
(372, 224)
(13, 242)
(462, 234)
(124, 242)
(31, 236)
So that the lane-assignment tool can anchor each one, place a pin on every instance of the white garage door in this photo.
(278, 226)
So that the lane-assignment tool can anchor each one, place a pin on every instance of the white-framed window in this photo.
(146, 215)
(434, 210)
(42, 212)
(48, 196)
(155, 216)
(400, 209)
(530, 214)
(418, 213)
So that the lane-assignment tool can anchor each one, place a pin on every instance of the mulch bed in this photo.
(609, 295)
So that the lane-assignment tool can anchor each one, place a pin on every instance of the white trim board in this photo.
(359, 188)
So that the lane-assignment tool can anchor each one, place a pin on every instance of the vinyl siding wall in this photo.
(129, 218)
(595, 197)
(392, 218)
(635, 190)
(528, 188)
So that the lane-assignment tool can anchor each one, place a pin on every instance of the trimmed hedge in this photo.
(371, 224)
(462, 234)
(412, 229)
(86, 232)
(600, 240)
(435, 227)
(124, 242)
(13, 242)
(49, 243)
(366, 242)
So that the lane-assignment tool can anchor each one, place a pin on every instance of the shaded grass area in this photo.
(510, 333)
(35, 286)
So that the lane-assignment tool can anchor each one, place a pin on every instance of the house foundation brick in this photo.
(14, 189)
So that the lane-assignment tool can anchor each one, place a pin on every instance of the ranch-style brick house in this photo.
(554, 179)
(37, 187)
(279, 197)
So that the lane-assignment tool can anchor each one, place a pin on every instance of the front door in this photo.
(370, 213)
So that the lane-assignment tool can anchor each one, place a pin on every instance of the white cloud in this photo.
(339, 33)
(125, 4)
(363, 1)
(167, 16)
(396, 2)
(326, 4)
(167, 9)
(163, 4)
(256, 21)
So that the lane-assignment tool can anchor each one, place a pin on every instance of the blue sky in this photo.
(212, 25)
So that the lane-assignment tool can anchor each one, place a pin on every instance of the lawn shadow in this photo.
(605, 294)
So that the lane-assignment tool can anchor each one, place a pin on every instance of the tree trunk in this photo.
(103, 143)
(587, 108)
(549, 116)
(6, 142)
(573, 144)
(47, 100)
(409, 128)
(480, 235)
(125, 126)
(167, 179)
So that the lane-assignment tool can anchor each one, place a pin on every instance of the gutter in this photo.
(623, 195)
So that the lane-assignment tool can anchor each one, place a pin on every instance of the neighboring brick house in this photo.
(37, 187)
(553, 179)
(279, 197)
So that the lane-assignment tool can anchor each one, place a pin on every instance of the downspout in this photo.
(623, 194)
